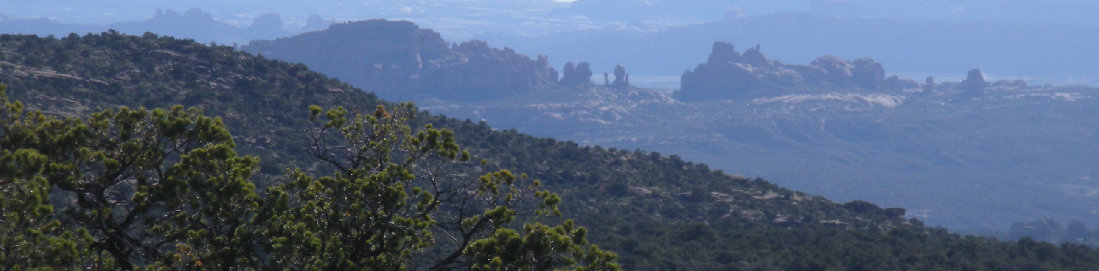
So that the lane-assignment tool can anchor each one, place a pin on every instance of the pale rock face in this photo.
(730, 75)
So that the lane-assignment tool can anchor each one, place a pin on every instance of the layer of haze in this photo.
(585, 30)
(530, 15)
(1042, 41)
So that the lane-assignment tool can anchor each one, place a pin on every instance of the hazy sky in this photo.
(294, 12)
(511, 22)
(242, 11)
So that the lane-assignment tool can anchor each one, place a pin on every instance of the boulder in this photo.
(756, 58)
(723, 52)
(973, 86)
(567, 71)
(929, 85)
(867, 73)
(837, 71)
(620, 79)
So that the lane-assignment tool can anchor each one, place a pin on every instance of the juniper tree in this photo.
(398, 199)
(156, 186)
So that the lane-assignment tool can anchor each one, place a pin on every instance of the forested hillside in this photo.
(657, 212)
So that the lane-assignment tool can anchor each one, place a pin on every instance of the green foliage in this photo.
(389, 197)
(658, 212)
(361, 216)
(81, 75)
(540, 248)
(30, 237)
(164, 189)
(146, 185)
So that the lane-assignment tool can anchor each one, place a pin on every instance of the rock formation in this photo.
(576, 76)
(398, 60)
(867, 73)
(756, 58)
(724, 52)
(836, 70)
(730, 75)
(928, 86)
(621, 79)
(973, 86)
(474, 70)
(896, 83)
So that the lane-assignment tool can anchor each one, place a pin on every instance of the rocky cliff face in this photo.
(731, 75)
(398, 60)
(473, 70)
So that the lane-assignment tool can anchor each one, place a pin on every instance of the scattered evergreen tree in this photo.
(150, 186)
(30, 236)
(659, 212)
(164, 189)
(390, 196)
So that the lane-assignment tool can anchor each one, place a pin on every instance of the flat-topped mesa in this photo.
(731, 75)
(399, 60)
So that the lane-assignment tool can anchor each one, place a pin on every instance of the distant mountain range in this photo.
(968, 155)
(1050, 41)
(193, 24)
(908, 46)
